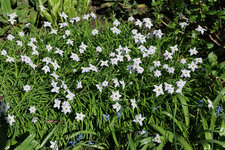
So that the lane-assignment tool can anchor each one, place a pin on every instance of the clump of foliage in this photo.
(208, 13)
(30, 12)
(123, 8)
(55, 10)
(25, 18)
(113, 86)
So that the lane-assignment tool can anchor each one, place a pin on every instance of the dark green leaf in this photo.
(6, 5)
(33, 17)
(209, 45)
(212, 58)
(222, 65)
(212, 12)
(3, 20)
(3, 30)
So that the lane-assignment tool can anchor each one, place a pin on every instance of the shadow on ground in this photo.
(3, 133)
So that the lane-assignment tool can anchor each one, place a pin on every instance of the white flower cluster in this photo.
(142, 60)
(12, 17)
(4, 107)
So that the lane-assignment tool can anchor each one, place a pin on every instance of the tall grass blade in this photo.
(177, 122)
(213, 141)
(6, 5)
(131, 144)
(111, 126)
(28, 144)
(183, 102)
(208, 135)
(170, 136)
(49, 135)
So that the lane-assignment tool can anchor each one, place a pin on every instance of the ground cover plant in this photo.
(113, 86)
(26, 18)
(52, 9)
(207, 13)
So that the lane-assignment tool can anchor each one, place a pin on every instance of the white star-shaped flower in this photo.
(57, 103)
(158, 90)
(200, 29)
(80, 116)
(53, 145)
(10, 119)
(157, 139)
(210, 105)
(117, 107)
(139, 119)
(70, 96)
(42, 8)
(26, 88)
(94, 32)
(63, 15)
(46, 69)
(115, 95)
(32, 109)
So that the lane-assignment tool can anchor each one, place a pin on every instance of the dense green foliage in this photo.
(32, 12)
(55, 8)
(76, 47)
(27, 16)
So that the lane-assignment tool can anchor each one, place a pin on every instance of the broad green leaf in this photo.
(184, 143)
(172, 25)
(148, 146)
(212, 58)
(160, 146)
(221, 143)
(66, 5)
(25, 3)
(215, 104)
(81, 132)
(146, 141)
(78, 6)
(29, 143)
(212, 12)
(214, 73)
(131, 144)
(177, 122)
(47, 15)
(209, 45)
(10, 143)
(33, 29)
(183, 102)
(222, 128)
(6, 5)
(94, 146)
(33, 17)
(111, 126)
(52, 2)
(193, 18)
(22, 14)
(85, 6)
(169, 135)
(55, 10)
(48, 136)
(222, 65)
(208, 135)
(176, 31)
